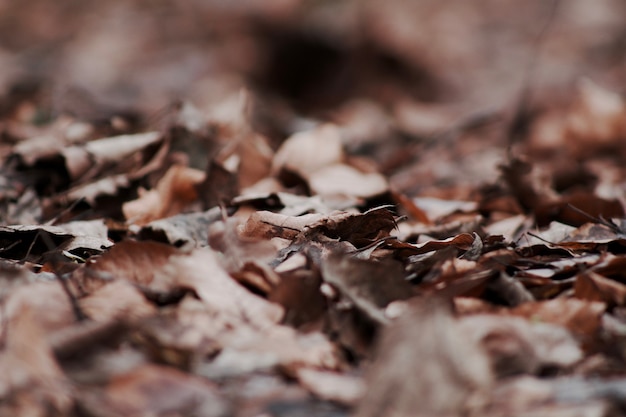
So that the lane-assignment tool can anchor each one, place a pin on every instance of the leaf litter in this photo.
(297, 208)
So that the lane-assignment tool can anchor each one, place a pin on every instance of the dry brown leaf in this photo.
(436, 208)
(370, 286)
(462, 241)
(298, 291)
(136, 262)
(515, 345)
(427, 366)
(306, 152)
(245, 350)
(47, 301)
(107, 186)
(332, 386)
(116, 149)
(266, 225)
(594, 287)
(183, 230)
(219, 186)
(255, 159)
(238, 249)
(32, 242)
(117, 300)
(157, 390)
(596, 121)
(577, 208)
(341, 179)
(31, 382)
(222, 295)
(174, 192)
(582, 318)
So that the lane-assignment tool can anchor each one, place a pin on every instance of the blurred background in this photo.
(313, 56)
(435, 92)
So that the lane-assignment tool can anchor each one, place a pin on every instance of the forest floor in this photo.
(295, 208)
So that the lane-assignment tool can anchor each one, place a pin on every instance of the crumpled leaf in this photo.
(359, 229)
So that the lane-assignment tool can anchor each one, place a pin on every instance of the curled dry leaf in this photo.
(358, 228)
(462, 241)
(265, 224)
(255, 159)
(219, 186)
(90, 237)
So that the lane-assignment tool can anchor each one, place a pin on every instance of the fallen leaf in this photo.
(427, 365)
(157, 390)
(174, 192)
(370, 286)
(582, 318)
(31, 381)
(517, 346)
(594, 287)
(343, 179)
(137, 263)
(308, 151)
(341, 388)
(115, 301)
(220, 293)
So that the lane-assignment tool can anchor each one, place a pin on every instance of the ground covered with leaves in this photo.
(294, 208)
